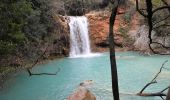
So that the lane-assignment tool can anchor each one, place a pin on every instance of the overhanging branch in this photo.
(31, 74)
(153, 81)
(161, 8)
(36, 61)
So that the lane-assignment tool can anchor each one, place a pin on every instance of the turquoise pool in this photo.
(134, 71)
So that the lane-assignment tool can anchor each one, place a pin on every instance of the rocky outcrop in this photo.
(60, 45)
(124, 28)
(82, 94)
(142, 41)
(99, 30)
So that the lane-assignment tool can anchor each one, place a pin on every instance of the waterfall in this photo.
(79, 37)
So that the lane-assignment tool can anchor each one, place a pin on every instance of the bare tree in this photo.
(114, 76)
(148, 14)
(153, 81)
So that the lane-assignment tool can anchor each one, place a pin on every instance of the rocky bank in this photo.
(124, 30)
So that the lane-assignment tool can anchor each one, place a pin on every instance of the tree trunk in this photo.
(168, 95)
(115, 88)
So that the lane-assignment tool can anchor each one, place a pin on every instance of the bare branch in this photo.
(166, 47)
(162, 26)
(161, 20)
(154, 79)
(152, 94)
(31, 74)
(166, 68)
(161, 8)
(166, 4)
(156, 52)
(159, 71)
(36, 61)
(137, 8)
(165, 89)
(148, 84)
(150, 24)
(149, 17)
(162, 98)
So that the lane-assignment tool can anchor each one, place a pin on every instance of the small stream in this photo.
(134, 71)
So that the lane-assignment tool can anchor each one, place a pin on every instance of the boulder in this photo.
(142, 41)
(82, 93)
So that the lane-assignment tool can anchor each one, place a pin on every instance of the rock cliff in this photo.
(124, 30)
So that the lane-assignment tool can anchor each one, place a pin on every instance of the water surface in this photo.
(134, 71)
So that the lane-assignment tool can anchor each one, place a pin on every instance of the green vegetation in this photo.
(123, 31)
(6, 47)
(127, 17)
(28, 26)
(13, 15)
(25, 26)
(157, 2)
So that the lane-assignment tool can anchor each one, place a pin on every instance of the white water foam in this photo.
(79, 38)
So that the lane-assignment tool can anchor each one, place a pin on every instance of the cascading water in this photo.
(79, 37)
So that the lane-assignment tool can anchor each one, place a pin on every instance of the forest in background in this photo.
(27, 27)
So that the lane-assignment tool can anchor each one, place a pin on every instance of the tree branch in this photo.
(161, 8)
(168, 25)
(36, 61)
(137, 8)
(165, 89)
(150, 24)
(153, 81)
(31, 74)
(166, 4)
(166, 47)
(149, 17)
(161, 20)
(162, 98)
(148, 84)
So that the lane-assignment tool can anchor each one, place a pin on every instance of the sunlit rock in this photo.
(87, 83)
(82, 94)
(142, 40)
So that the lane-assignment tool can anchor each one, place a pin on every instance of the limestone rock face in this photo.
(99, 31)
(82, 94)
(60, 45)
(142, 41)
